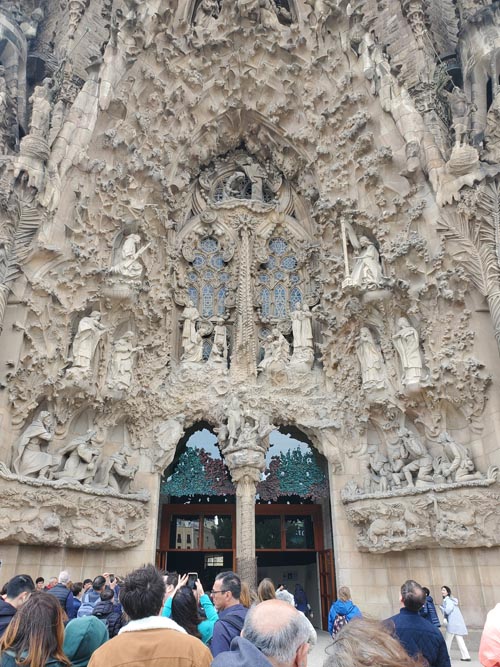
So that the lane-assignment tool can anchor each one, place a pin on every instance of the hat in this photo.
(82, 637)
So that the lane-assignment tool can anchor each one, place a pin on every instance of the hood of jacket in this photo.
(242, 654)
(82, 637)
(344, 608)
(103, 608)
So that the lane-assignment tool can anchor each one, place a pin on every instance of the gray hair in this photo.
(281, 644)
(63, 577)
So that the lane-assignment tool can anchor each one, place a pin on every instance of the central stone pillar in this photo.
(246, 480)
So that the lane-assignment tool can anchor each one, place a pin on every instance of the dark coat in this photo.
(109, 614)
(418, 636)
(7, 612)
(429, 612)
(8, 659)
(65, 597)
(227, 628)
(242, 654)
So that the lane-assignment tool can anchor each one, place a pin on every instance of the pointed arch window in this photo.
(278, 281)
(207, 278)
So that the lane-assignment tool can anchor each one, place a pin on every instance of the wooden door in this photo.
(327, 589)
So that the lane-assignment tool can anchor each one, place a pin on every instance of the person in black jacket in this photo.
(109, 613)
(416, 635)
(19, 588)
(62, 593)
(428, 611)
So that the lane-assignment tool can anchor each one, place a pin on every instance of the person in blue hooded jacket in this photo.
(343, 606)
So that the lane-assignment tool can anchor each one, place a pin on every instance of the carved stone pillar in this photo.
(493, 299)
(246, 480)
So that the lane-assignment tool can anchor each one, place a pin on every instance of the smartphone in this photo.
(192, 577)
(111, 578)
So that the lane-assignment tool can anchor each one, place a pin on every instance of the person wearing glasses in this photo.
(19, 588)
(226, 593)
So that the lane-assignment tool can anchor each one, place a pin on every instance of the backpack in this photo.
(87, 607)
(338, 623)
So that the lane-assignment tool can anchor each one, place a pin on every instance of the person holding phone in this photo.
(183, 608)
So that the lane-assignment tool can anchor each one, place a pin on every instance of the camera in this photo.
(191, 582)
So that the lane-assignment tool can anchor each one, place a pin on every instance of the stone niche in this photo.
(443, 516)
(54, 514)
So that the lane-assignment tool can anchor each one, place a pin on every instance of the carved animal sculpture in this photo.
(385, 528)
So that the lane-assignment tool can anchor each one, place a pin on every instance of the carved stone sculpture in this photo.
(234, 420)
(4, 107)
(31, 458)
(218, 353)
(367, 271)
(85, 342)
(78, 459)
(129, 266)
(166, 438)
(370, 361)
(456, 464)
(420, 463)
(122, 362)
(302, 326)
(461, 110)
(407, 344)
(192, 343)
(207, 13)
(115, 473)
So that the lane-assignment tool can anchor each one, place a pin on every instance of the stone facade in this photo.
(254, 214)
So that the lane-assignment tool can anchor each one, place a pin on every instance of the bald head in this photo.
(279, 631)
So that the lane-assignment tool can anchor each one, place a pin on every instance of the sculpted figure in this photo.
(122, 361)
(377, 470)
(167, 435)
(421, 463)
(234, 419)
(85, 342)
(461, 110)
(457, 464)
(32, 458)
(41, 108)
(79, 459)
(367, 271)
(302, 326)
(218, 353)
(115, 473)
(192, 343)
(396, 452)
(129, 265)
(370, 361)
(407, 345)
(207, 12)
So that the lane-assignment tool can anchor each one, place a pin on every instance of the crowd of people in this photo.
(150, 619)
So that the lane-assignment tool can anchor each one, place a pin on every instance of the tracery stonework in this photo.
(253, 215)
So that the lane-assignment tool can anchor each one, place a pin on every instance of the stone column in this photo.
(246, 480)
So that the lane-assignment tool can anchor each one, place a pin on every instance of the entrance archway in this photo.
(293, 542)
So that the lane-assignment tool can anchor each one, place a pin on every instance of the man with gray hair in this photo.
(274, 634)
(64, 594)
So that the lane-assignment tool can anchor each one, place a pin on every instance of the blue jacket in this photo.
(7, 612)
(428, 611)
(227, 628)
(418, 636)
(347, 609)
(65, 597)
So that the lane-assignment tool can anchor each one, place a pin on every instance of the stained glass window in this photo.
(278, 282)
(207, 278)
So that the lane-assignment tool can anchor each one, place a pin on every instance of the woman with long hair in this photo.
(248, 595)
(455, 624)
(342, 611)
(266, 590)
(35, 636)
(192, 609)
(364, 643)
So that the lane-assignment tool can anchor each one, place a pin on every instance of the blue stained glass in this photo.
(221, 295)
(278, 246)
(266, 301)
(207, 308)
(208, 275)
(193, 295)
(209, 244)
(198, 260)
(265, 332)
(279, 301)
(294, 278)
(288, 263)
(295, 297)
(271, 263)
(224, 277)
(263, 278)
(192, 276)
(217, 262)
(279, 275)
